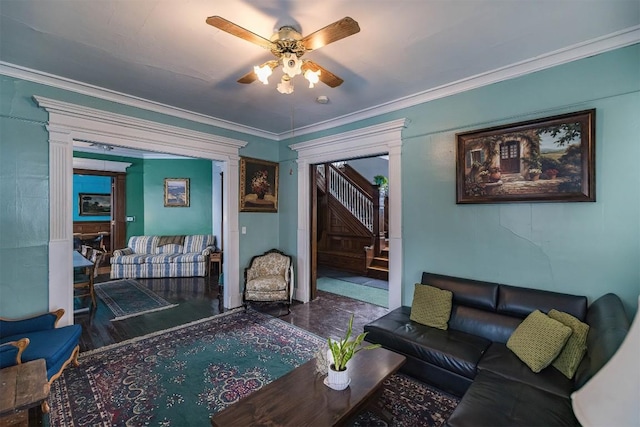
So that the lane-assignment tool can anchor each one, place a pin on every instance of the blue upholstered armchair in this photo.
(37, 337)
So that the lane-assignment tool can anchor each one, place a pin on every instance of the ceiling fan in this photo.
(288, 46)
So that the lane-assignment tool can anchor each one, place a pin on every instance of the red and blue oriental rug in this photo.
(181, 376)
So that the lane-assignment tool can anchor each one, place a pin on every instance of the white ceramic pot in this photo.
(338, 380)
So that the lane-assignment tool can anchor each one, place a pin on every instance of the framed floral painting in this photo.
(258, 185)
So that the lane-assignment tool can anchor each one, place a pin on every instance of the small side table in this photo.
(216, 258)
(23, 386)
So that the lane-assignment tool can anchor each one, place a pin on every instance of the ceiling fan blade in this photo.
(251, 76)
(238, 31)
(326, 76)
(331, 33)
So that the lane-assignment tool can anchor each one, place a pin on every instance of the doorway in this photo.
(349, 225)
(364, 142)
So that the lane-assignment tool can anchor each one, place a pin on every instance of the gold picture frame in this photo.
(258, 185)
(176, 192)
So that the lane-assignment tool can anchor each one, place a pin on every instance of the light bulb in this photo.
(263, 73)
(312, 76)
(285, 86)
(291, 65)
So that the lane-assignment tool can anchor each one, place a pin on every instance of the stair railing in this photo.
(351, 197)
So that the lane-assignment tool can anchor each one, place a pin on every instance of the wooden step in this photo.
(380, 262)
(378, 273)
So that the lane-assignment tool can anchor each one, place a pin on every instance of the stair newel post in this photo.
(378, 220)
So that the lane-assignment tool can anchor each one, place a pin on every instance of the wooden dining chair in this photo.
(83, 284)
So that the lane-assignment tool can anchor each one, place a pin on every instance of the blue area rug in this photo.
(128, 298)
(182, 376)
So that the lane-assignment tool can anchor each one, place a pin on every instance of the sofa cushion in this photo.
(468, 292)
(143, 244)
(486, 324)
(502, 361)
(608, 327)
(192, 257)
(571, 355)
(431, 306)
(53, 345)
(170, 248)
(519, 302)
(452, 350)
(267, 296)
(131, 259)
(198, 243)
(267, 284)
(538, 340)
(493, 400)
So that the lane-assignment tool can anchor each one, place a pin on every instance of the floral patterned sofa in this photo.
(163, 256)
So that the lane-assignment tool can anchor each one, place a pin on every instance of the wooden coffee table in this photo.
(300, 397)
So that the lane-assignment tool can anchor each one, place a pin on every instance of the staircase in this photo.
(379, 266)
(351, 223)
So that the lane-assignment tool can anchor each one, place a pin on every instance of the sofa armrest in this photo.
(9, 327)
(208, 250)
(121, 252)
(11, 352)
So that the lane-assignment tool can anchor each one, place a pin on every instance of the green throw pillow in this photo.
(431, 306)
(573, 351)
(538, 340)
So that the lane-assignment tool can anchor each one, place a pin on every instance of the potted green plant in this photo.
(341, 351)
(381, 181)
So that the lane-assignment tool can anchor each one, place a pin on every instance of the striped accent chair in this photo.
(148, 256)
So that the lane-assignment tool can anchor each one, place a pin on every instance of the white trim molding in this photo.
(100, 165)
(69, 122)
(40, 77)
(385, 138)
(608, 42)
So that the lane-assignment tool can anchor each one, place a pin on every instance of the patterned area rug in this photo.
(128, 298)
(180, 377)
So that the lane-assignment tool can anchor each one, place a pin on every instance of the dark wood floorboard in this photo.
(326, 316)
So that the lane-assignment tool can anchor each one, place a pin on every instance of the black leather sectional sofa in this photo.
(471, 359)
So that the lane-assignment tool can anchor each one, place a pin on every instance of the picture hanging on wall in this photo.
(544, 160)
(176, 192)
(94, 204)
(258, 185)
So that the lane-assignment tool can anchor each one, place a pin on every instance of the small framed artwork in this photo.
(544, 160)
(258, 185)
(94, 204)
(176, 192)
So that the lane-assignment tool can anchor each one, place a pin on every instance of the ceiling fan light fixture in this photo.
(312, 77)
(263, 73)
(285, 86)
(291, 64)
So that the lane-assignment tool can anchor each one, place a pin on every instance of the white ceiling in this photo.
(163, 51)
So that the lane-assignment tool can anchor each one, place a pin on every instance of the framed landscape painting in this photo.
(258, 185)
(176, 192)
(94, 204)
(544, 160)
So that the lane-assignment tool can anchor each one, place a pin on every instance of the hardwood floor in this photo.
(326, 316)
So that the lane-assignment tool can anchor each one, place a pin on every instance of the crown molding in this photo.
(617, 40)
(35, 76)
(623, 38)
(92, 125)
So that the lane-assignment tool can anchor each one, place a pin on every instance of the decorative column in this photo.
(232, 294)
(61, 222)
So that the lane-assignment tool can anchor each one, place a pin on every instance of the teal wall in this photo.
(167, 221)
(24, 190)
(581, 248)
(134, 185)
